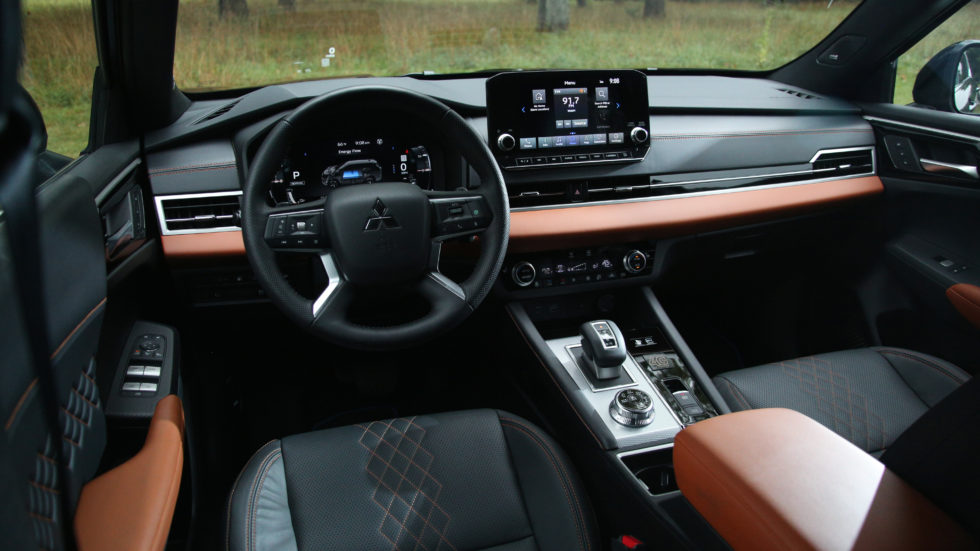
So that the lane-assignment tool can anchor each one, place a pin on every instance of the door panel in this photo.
(928, 161)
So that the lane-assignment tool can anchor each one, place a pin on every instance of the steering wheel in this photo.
(377, 235)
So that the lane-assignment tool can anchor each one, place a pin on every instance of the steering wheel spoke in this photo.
(296, 228)
(337, 295)
(458, 214)
(439, 290)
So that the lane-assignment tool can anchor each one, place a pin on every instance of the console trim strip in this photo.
(872, 172)
(596, 224)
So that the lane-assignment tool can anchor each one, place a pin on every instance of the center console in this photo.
(628, 407)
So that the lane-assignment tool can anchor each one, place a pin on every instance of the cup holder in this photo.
(655, 469)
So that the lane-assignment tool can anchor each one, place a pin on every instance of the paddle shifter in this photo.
(603, 348)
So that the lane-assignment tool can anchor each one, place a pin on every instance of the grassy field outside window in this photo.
(332, 38)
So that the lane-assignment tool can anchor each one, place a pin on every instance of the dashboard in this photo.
(678, 155)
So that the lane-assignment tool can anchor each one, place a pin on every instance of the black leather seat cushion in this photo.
(479, 479)
(869, 395)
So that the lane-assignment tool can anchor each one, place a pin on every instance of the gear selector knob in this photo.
(603, 348)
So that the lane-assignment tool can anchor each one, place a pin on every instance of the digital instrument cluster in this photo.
(312, 169)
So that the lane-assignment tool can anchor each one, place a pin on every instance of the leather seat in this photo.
(479, 479)
(869, 396)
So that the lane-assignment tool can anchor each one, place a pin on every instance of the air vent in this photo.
(201, 213)
(538, 194)
(797, 93)
(842, 162)
(542, 194)
(218, 112)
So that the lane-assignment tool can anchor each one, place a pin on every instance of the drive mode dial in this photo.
(632, 407)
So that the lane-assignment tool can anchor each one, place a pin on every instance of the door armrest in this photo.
(776, 479)
(131, 506)
(966, 299)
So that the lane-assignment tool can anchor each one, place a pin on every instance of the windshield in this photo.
(240, 43)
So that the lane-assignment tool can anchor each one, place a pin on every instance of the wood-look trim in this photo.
(596, 224)
(196, 245)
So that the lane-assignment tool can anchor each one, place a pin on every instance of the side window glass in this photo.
(57, 68)
(949, 63)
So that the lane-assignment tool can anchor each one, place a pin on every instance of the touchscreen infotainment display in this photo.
(561, 117)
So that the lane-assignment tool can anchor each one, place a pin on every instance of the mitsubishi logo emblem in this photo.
(380, 217)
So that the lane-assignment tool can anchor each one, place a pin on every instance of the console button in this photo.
(523, 273)
(151, 371)
(279, 226)
(635, 261)
(529, 143)
(135, 371)
(616, 137)
(131, 387)
(524, 161)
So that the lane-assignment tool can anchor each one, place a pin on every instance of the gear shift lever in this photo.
(603, 348)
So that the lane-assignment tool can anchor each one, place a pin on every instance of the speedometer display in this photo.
(312, 169)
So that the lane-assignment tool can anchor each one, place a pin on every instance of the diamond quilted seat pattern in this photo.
(869, 396)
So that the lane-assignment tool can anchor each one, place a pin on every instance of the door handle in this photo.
(938, 167)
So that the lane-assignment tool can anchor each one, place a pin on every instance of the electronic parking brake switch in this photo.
(603, 347)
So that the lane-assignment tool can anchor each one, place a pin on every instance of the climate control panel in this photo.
(578, 266)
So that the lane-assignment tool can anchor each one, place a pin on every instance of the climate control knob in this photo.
(632, 407)
(523, 274)
(639, 135)
(506, 142)
(635, 261)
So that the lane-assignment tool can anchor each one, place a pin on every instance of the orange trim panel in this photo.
(196, 245)
(596, 224)
(966, 299)
(776, 479)
(132, 506)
